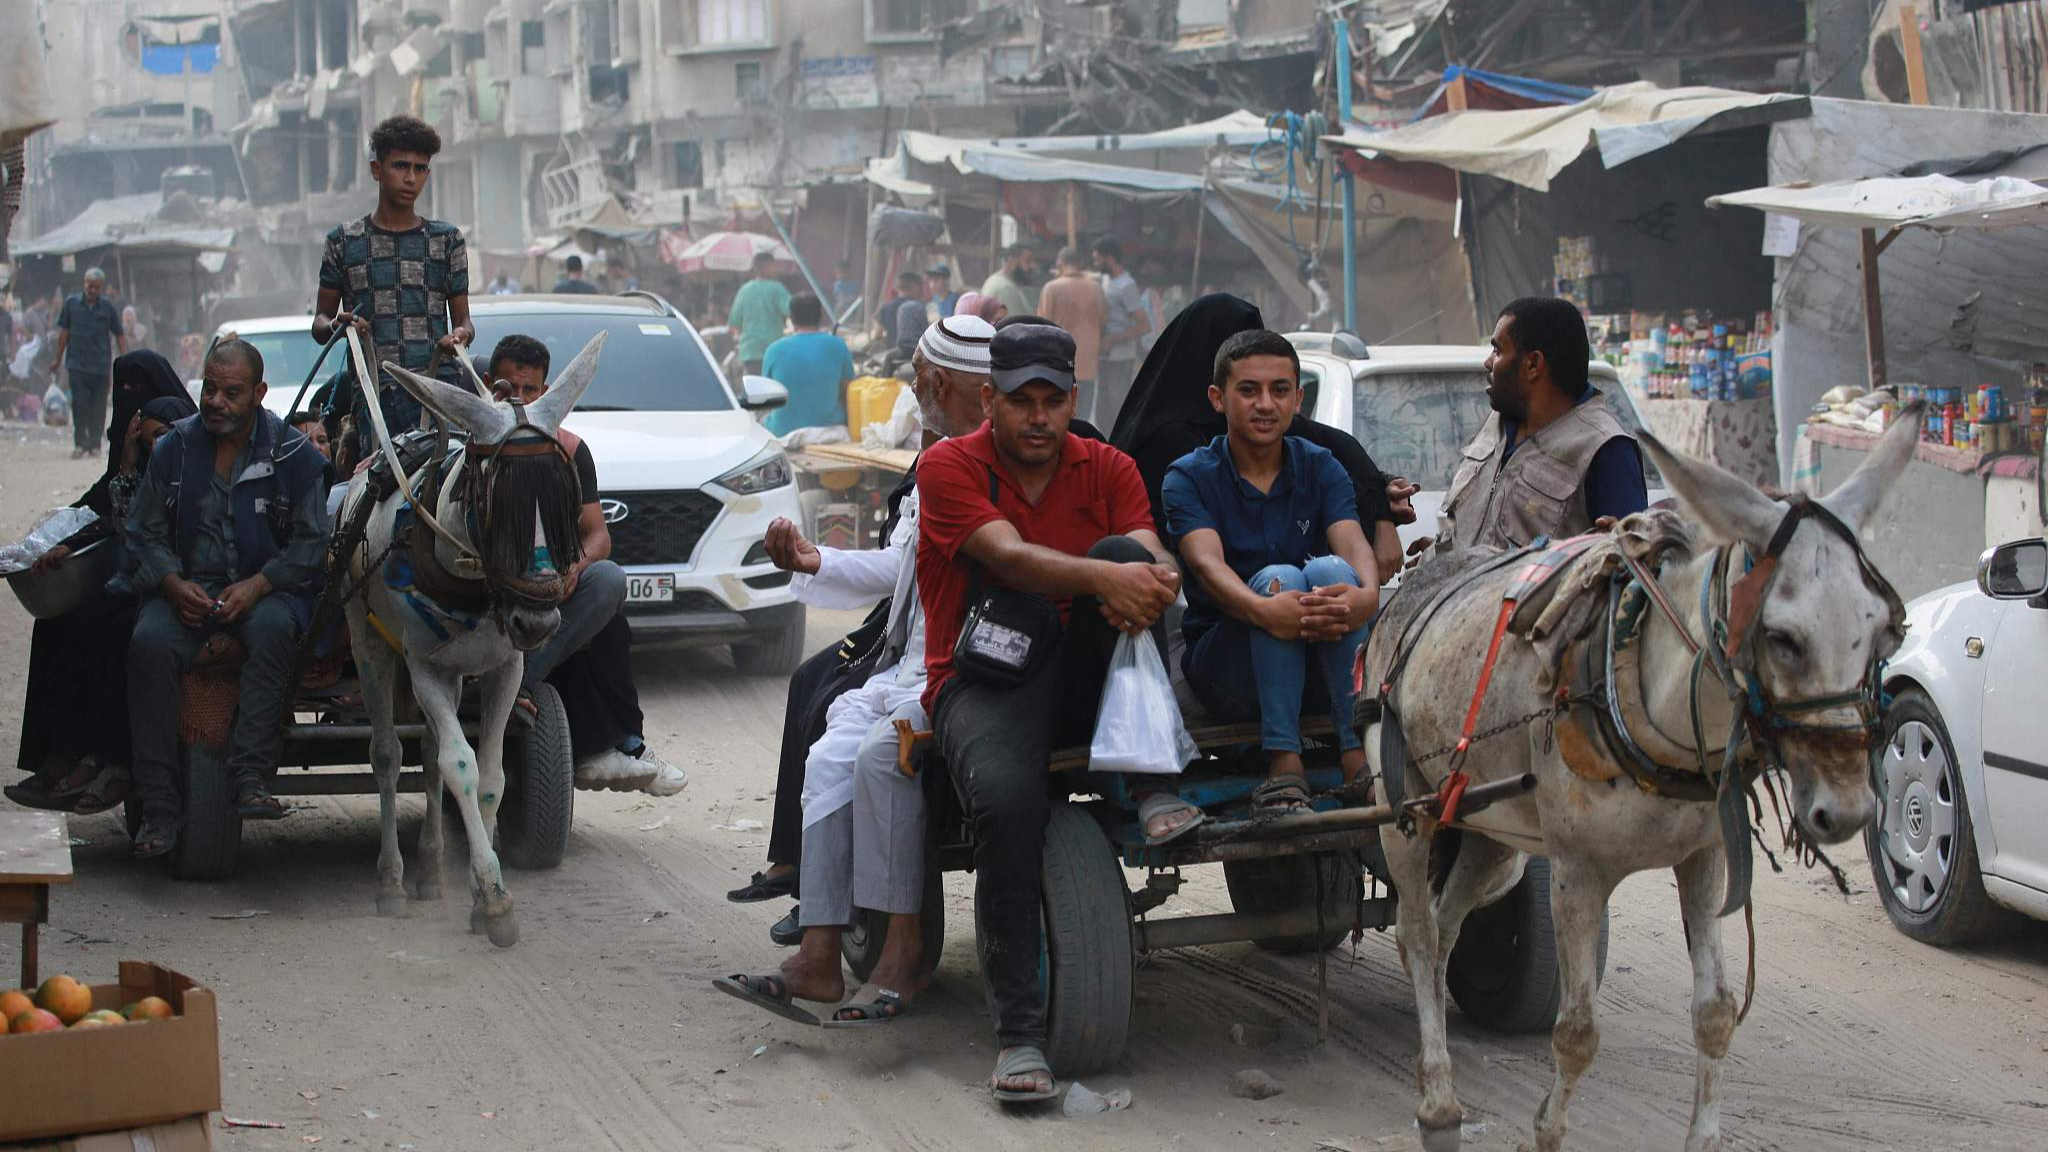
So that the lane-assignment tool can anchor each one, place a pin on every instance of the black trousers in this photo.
(812, 688)
(996, 742)
(596, 686)
(77, 699)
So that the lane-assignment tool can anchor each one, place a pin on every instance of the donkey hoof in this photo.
(428, 891)
(391, 906)
(1442, 1139)
(503, 930)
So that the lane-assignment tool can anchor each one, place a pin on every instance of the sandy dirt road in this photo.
(599, 1030)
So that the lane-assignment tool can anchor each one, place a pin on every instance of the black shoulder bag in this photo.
(1007, 635)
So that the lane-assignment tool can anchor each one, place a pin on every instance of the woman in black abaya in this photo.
(1168, 415)
(74, 726)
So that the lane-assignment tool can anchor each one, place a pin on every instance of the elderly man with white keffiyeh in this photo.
(863, 820)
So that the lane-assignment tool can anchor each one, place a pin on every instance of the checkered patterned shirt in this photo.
(400, 282)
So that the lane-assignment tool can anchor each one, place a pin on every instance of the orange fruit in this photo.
(13, 1004)
(148, 1008)
(100, 1018)
(34, 1020)
(66, 998)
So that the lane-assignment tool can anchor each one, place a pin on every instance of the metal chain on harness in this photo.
(1551, 713)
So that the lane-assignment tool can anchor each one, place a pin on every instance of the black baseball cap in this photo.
(1021, 353)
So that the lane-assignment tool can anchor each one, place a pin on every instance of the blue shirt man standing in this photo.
(1267, 529)
(814, 365)
(88, 331)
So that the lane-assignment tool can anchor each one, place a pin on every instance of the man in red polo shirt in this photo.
(1069, 521)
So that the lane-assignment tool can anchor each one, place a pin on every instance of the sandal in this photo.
(254, 802)
(770, 992)
(157, 837)
(883, 1009)
(1281, 795)
(107, 790)
(764, 887)
(1016, 1063)
(43, 793)
(1357, 791)
(1159, 804)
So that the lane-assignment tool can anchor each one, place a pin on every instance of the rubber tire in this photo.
(861, 944)
(1091, 962)
(1963, 911)
(777, 655)
(1503, 970)
(540, 789)
(1278, 883)
(210, 844)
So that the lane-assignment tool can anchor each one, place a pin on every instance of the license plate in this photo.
(651, 589)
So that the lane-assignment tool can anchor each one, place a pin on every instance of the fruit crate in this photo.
(81, 1080)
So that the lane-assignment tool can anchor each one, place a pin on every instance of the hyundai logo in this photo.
(614, 510)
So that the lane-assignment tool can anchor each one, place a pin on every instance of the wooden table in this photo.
(35, 852)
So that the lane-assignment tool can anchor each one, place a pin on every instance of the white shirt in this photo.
(857, 579)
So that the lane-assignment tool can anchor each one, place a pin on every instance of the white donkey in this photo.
(503, 510)
(1793, 653)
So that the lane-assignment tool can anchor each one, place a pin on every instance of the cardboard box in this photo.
(192, 1134)
(105, 1079)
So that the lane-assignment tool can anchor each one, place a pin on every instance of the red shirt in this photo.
(1096, 493)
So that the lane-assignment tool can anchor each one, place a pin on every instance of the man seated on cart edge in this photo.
(863, 839)
(1023, 504)
(588, 659)
(228, 529)
(1267, 525)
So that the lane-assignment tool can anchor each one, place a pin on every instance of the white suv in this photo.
(688, 478)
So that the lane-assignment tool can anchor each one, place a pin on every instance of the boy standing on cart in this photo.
(229, 528)
(401, 280)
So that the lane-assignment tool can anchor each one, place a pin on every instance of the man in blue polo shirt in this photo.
(88, 331)
(1267, 529)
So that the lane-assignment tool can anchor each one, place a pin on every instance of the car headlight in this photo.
(768, 470)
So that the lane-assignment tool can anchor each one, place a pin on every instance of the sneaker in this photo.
(667, 780)
(613, 771)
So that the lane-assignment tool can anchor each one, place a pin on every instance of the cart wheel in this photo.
(1279, 883)
(861, 944)
(211, 842)
(1088, 960)
(540, 789)
(1503, 969)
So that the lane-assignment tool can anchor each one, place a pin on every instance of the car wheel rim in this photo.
(1917, 835)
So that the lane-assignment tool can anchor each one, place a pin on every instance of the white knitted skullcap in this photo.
(959, 343)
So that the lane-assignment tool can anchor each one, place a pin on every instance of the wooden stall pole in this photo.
(1873, 311)
(995, 232)
(1916, 63)
(867, 265)
(1073, 218)
(1201, 218)
(1455, 99)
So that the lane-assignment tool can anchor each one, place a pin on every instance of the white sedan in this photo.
(1961, 840)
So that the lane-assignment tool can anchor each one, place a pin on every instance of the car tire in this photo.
(210, 844)
(1922, 846)
(1503, 970)
(777, 655)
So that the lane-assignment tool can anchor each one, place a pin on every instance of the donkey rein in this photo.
(398, 472)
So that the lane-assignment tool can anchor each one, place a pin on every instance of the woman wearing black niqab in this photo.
(1168, 414)
(74, 725)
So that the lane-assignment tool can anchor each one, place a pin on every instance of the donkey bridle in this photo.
(496, 588)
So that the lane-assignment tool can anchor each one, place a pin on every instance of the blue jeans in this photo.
(1245, 673)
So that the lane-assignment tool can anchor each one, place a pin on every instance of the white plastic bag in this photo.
(51, 529)
(1139, 728)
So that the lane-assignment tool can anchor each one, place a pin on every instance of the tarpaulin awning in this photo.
(124, 222)
(1498, 92)
(1240, 129)
(1011, 165)
(1890, 202)
(1530, 146)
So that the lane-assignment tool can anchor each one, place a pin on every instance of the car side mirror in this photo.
(758, 393)
(2014, 571)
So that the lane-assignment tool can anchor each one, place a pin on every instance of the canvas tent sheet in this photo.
(1889, 202)
(1530, 146)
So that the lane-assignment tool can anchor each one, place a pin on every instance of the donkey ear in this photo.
(486, 421)
(1728, 507)
(1856, 498)
(554, 406)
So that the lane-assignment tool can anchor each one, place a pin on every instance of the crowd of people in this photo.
(1087, 474)
(57, 354)
(1212, 491)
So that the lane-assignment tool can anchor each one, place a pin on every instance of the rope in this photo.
(398, 472)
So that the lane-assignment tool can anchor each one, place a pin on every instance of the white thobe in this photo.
(855, 580)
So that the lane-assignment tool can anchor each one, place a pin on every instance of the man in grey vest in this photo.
(1552, 460)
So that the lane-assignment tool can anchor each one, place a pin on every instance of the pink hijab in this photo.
(976, 304)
